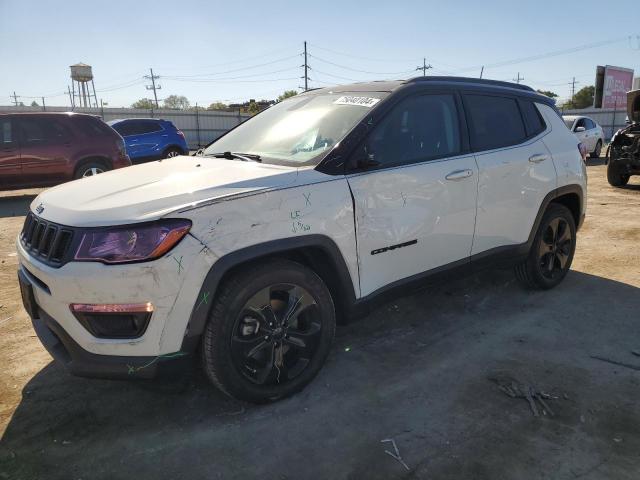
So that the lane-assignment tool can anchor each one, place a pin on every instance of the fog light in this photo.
(128, 320)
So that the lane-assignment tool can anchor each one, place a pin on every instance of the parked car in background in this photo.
(43, 149)
(588, 132)
(246, 254)
(149, 139)
(623, 156)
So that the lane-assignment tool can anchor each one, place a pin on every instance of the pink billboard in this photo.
(617, 82)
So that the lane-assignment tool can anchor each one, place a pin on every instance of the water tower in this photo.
(81, 75)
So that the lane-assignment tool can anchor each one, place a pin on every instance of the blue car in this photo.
(149, 139)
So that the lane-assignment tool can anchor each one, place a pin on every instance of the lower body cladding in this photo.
(111, 321)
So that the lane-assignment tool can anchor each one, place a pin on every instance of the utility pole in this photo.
(424, 67)
(481, 71)
(15, 98)
(518, 78)
(573, 89)
(153, 85)
(306, 68)
(44, 107)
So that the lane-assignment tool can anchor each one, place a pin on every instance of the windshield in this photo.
(568, 122)
(299, 130)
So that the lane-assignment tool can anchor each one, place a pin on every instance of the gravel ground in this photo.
(417, 370)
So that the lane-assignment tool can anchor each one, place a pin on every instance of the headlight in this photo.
(131, 243)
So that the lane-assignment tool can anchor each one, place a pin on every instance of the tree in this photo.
(145, 103)
(217, 106)
(253, 108)
(176, 102)
(582, 99)
(287, 94)
(548, 93)
(34, 104)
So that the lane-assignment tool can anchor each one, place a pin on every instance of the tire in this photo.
(247, 357)
(90, 169)
(598, 150)
(614, 177)
(172, 152)
(552, 251)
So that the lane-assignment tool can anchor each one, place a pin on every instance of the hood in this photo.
(633, 106)
(151, 190)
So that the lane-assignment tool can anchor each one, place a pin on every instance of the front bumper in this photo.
(79, 361)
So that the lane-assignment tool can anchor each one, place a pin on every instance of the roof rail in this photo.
(482, 81)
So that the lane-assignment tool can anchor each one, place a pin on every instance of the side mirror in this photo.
(580, 129)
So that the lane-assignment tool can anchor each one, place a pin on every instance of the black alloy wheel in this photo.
(269, 332)
(276, 334)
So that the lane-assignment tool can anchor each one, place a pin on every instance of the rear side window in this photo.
(91, 126)
(494, 122)
(532, 118)
(149, 127)
(589, 124)
(418, 128)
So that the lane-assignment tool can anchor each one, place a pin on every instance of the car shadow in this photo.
(15, 205)
(79, 427)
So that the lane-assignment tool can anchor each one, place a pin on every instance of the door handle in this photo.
(459, 174)
(537, 158)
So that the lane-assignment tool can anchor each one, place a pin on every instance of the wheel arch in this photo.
(571, 196)
(175, 146)
(317, 252)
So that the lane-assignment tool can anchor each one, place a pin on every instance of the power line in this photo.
(238, 69)
(357, 70)
(213, 80)
(540, 56)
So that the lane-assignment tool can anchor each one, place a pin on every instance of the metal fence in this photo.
(609, 119)
(199, 126)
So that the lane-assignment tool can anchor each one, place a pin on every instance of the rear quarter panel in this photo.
(563, 148)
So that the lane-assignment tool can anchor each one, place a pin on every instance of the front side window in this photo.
(494, 121)
(418, 128)
(300, 130)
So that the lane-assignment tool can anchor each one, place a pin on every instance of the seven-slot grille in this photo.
(45, 240)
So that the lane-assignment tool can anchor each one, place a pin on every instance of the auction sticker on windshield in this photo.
(360, 101)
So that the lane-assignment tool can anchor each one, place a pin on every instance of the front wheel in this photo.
(615, 177)
(269, 331)
(552, 250)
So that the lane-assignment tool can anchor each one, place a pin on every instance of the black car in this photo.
(623, 156)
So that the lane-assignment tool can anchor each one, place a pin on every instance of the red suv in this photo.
(42, 149)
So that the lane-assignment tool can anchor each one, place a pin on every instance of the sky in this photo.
(235, 51)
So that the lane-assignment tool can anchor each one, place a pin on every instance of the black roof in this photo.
(392, 85)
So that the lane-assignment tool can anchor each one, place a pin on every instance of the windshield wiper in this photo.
(245, 157)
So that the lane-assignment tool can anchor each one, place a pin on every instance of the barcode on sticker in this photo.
(360, 101)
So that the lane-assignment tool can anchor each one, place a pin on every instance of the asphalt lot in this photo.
(418, 370)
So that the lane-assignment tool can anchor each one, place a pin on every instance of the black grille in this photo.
(47, 241)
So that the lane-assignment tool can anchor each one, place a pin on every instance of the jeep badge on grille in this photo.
(40, 209)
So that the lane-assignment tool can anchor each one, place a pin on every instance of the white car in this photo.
(249, 253)
(587, 131)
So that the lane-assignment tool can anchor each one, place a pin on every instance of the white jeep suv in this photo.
(248, 252)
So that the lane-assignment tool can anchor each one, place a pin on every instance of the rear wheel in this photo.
(614, 176)
(598, 150)
(552, 250)
(269, 331)
(90, 169)
(172, 152)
